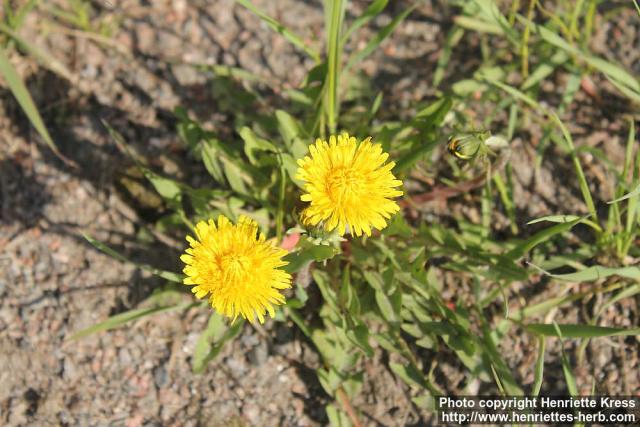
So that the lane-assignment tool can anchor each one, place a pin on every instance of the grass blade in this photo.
(212, 340)
(378, 38)
(453, 38)
(540, 237)
(582, 181)
(371, 12)
(500, 368)
(554, 218)
(516, 94)
(539, 371)
(469, 23)
(122, 318)
(565, 219)
(566, 367)
(623, 294)
(21, 93)
(544, 70)
(578, 331)
(281, 29)
(624, 81)
(44, 57)
(17, 19)
(629, 195)
(334, 11)
(597, 272)
(168, 275)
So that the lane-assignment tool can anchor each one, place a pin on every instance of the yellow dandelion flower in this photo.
(348, 184)
(239, 271)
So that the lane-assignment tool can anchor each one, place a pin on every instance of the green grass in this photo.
(75, 15)
(13, 20)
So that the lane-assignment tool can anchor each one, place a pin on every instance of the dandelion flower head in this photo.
(236, 267)
(348, 184)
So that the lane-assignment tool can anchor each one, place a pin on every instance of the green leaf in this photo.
(370, 12)
(425, 401)
(578, 331)
(545, 306)
(122, 318)
(281, 29)
(172, 277)
(619, 76)
(570, 90)
(566, 367)
(44, 57)
(210, 158)
(375, 41)
(634, 193)
(291, 166)
(346, 293)
(434, 113)
(302, 257)
(540, 237)
(555, 218)
(500, 368)
(453, 38)
(212, 340)
(418, 150)
(597, 272)
(539, 370)
(387, 308)
(17, 17)
(21, 93)
(337, 417)
(189, 130)
(632, 204)
(568, 376)
(623, 294)
(409, 374)
(515, 93)
(478, 25)
(388, 297)
(253, 144)
(375, 280)
(292, 134)
(329, 379)
(545, 69)
(166, 187)
(582, 180)
(489, 11)
(359, 335)
(235, 176)
(625, 90)
(386, 342)
(214, 331)
(334, 11)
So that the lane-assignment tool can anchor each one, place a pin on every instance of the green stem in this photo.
(406, 351)
(582, 180)
(524, 50)
(515, 5)
(336, 8)
(280, 213)
(575, 17)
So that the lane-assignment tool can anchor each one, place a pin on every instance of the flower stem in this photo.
(280, 213)
(336, 10)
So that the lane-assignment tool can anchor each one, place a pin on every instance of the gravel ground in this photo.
(52, 283)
